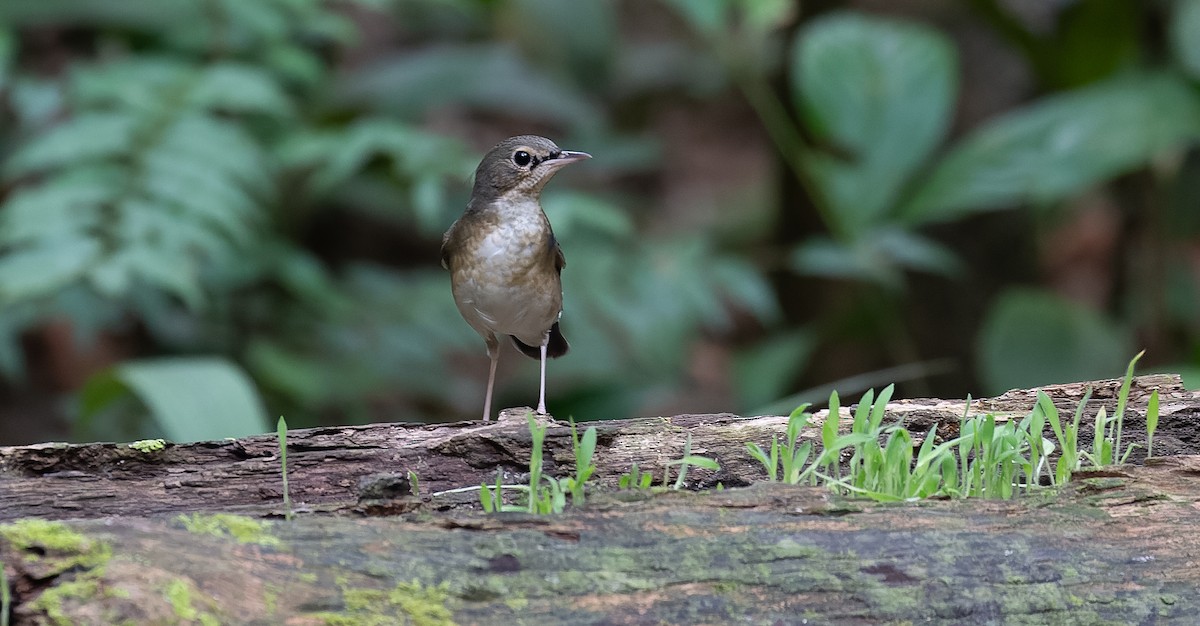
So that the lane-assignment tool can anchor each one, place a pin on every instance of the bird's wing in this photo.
(560, 261)
(445, 251)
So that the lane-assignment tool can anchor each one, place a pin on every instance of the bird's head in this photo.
(520, 167)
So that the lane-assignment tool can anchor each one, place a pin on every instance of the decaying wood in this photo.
(1114, 548)
(327, 465)
(1119, 549)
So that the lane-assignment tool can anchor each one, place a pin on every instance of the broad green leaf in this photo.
(191, 398)
(877, 256)
(1060, 146)
(1185, 35)
(1032, 338)
(879, 91)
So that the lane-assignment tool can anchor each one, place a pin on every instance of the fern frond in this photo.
(150, 183)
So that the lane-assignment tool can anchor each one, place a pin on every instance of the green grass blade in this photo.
(702, 462)
(1046, 405)
(1151, 422)
(829, 429)
(5, 597)
(798, 411)
(1099, 437)
(1122, 400)
(880, 406)
(759, 455)
(537, 434)
(281, 435)
(862, 412)
(799, 458)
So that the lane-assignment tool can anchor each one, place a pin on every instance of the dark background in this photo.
(215, 211)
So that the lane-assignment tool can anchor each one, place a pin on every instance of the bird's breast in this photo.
(504, 275)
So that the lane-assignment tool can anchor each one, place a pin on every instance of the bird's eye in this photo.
(521, 158)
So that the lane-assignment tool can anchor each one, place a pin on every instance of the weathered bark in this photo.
(1118, 548)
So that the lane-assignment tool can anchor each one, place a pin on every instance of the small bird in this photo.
(505, 264)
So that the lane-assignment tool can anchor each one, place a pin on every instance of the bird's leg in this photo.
(494, 355)
(542, 388)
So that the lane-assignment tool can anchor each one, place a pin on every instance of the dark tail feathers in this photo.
(557, 347)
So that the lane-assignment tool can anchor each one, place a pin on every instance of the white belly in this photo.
(516, 293)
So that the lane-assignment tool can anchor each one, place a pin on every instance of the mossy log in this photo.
(147, 537)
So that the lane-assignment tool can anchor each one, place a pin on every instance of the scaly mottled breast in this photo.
(503, 271)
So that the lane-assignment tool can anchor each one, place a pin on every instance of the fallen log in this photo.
(137, 539)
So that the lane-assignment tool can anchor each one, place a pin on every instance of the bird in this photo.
(505, 263)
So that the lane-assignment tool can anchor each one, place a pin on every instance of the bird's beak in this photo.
(566, 156)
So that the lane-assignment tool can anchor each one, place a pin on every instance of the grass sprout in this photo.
(584, 448)
(991, 457)
(688, 460)
(281, 434)
(545, 495)
(1151, 422)
(5, 597)
(792, 456)
(635, 479)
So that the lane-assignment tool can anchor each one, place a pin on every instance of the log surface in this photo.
(1118, 547)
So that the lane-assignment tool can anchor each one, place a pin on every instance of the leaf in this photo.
(164, 269)
(876, 256)
(220, 144)
(1060, 146)
(88, 136)
(142, 84)
(882, 92)
(41, 269)
(488, 77)
(147, 15)
(191, 399)
(199, 192)
(1185, 25)
(707, 18)
(1033, 338)
(578, 36)
(239, 88)
(574, 213)
(423, 160)
(62, 204)
(764, 372)
(8, 48)
(698, 461)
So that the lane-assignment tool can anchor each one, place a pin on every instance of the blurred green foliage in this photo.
(172, 170)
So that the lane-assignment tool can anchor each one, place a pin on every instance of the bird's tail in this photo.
(557, 347)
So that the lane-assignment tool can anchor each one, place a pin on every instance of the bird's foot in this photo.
(519, 413)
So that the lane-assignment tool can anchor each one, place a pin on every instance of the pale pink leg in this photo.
(487, 404)
(542, 388)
